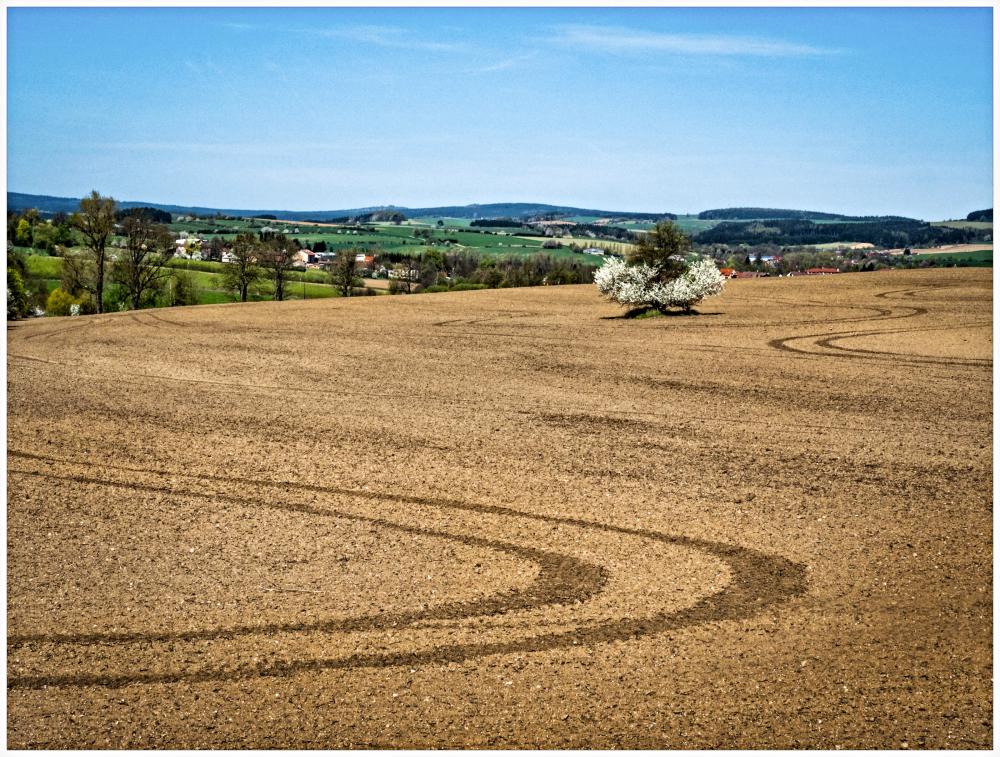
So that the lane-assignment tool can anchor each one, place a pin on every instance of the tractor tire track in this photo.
(826, 340)
(48, 333)
(829, 344)
(168, 321)
(758, 580)
(561, 578)
(505, 316)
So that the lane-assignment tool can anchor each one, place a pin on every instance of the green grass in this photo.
(693, 224)
(211, 297)
(636, 225)
(979, 225)
(214, 266)
(982, 258)
(431, 222)
(209, 287)
(206, 277)
(44, 266)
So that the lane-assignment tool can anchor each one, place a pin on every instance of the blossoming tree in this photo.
(655, 274)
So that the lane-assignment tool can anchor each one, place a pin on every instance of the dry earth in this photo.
(507, 518)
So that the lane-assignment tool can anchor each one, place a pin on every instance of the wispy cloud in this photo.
(617, 39)
(372, 34)
(505, 64)
(390, 36)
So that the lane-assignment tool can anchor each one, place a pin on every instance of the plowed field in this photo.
(507, 518)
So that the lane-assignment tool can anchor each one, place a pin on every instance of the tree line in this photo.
(124, 259)
(115, 258)
(892, 233)
(752, 214)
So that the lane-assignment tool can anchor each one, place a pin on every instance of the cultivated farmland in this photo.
(507, 518)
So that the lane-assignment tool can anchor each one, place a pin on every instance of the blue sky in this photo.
(858, 110)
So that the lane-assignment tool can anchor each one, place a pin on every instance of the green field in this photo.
(447, 222)
(206, 277)
(636, 225)
(979, 225)
(214, 266)
(983, 258)
(693, 224)
(456, 235)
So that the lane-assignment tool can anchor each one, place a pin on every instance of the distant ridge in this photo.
(774, 214)
(50, 204)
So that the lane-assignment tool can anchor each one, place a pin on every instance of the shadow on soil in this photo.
(654, 313)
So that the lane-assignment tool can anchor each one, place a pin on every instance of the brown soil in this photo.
(507, 518)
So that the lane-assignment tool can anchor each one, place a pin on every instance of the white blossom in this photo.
(636, 285)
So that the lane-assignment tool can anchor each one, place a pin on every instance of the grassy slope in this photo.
(988, 225)
(973, 257)
(206, 277)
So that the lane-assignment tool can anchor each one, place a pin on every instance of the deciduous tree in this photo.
(639, 285)
(77, 274)
(96, 223)
(17, 296)
(244, 269)
(344, 271)
(278, 256)
(141, 267)
(663, 249)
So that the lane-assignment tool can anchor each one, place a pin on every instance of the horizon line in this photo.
(384, 206)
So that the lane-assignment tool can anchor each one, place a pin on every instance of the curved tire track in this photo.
(758, 581)
(827, 341)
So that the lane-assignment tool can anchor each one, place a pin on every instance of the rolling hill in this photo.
(50, 204)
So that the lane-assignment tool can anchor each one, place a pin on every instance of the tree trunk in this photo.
(100, 282)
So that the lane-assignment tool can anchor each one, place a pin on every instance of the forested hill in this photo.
(49, 204)
(749, 225)
(756, 214)
(981, 215)
(529, 210)
(906, 233)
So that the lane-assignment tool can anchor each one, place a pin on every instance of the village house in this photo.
(365, 262)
